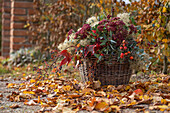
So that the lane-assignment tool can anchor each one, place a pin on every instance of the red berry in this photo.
(94, 31)
(128, 51)
(125, 47)
(121, 55)
(121, 47)
(126, 54)
(123, 44)
(131, 57)
(101, 54)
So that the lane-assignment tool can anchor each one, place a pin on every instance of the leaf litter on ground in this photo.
(59, 94)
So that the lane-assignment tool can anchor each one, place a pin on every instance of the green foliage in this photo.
(25, 56)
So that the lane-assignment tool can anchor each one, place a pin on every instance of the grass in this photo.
(4, 70)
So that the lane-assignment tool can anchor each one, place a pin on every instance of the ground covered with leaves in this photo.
(59, 94)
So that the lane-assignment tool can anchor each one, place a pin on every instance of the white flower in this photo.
(84, 42)
(91, 20)
(68, 43)
(94, 24)
(60, 47)
(124, 17)
(79, 29)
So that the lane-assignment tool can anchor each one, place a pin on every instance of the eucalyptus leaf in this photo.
(112, 41)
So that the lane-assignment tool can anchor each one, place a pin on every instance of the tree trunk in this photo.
(165, 65)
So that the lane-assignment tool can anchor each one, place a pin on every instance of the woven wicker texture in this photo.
(114, 73)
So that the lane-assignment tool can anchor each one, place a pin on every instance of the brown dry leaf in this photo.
(68, 110)
(101, 93)
(114, 107)
(10, 85)
(160, 107)
(1, 95)
(74, 95)
(96, 84)
(2, 107)
(87, 90)
(14, 106)
(101, 106)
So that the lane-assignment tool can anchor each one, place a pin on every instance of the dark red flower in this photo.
(108, 16)
(100, 27)
(86, 27)
(69, 33)
(115, 18)
(103, 21)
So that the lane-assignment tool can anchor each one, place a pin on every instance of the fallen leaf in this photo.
(1, 95)
(14, 106)
(138, 91)
(30, 103)
(10, 85)
(87, 90)
(32, 81)
(115, 107)
(28, 92)
(101, 106)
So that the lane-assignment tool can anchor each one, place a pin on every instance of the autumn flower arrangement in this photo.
(99, 37)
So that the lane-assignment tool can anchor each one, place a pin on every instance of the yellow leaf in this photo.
(10, 85)
(132, 103)
(127, 88)
(67, 88)
(157, 25)
(32, 81)
(101, 1)
(23, 74)
(163, 107)
(165, 40)
(38, 99)
(115, 107)
(56, 90)
(101, 106)
(28, 92)
(168, 59)
(141, 97)
(163, 101)
(146, 97)
(164, 10)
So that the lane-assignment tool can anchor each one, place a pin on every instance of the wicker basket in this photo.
(114, 73)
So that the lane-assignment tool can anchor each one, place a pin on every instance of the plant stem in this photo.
(165, 65)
